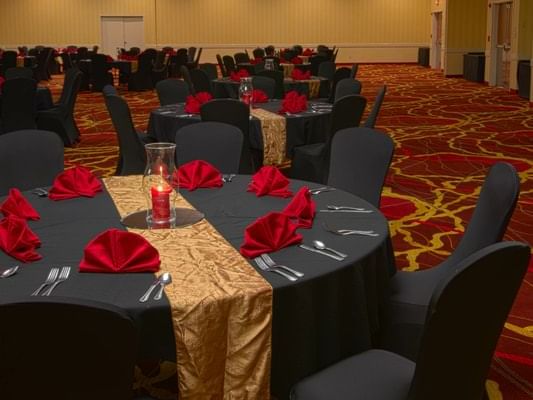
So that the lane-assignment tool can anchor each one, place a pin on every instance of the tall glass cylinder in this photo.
(246, 90)
(160, 185)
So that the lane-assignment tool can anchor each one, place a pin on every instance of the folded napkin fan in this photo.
(299, 75)
(258, 96)
(193, 103)
(302, 208)
(269, 181)
(236, 76)
(75, 182)
(197, 174)
(296, 60)
(18, 240)
(119, 251)
(293, 103)
(269, 233)
(16, 204)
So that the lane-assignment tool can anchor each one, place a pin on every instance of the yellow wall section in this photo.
(525, 30)
(467, 24)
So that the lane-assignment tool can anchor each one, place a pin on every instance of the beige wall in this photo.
(366, 30)
(525, 29)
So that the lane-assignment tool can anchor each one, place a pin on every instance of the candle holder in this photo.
(160, 185)
(246, 90)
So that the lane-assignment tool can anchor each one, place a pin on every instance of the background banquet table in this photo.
(331, 313)
(303, 128)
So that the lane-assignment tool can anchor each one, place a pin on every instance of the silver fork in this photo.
(321, 189)
(272, 264)
(262, 264)
(348, 232)
(52, 275)
(63, 276)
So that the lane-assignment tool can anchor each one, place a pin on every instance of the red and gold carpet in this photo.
(447, 132)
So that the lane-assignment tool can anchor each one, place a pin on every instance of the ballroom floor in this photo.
(447, 133)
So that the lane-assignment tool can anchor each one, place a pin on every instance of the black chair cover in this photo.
(19, 72)
(346, 87)
(160, 70)
(29, 159)
(184, 71)
(327, 69)
(241, 58)
(266, 84)
(229, 64)
(353, 71)
(142, 78)
(171, 91)
(221, 65)
(18, 105)
(315, 63)
(210, 70)
(278, 78)
(340, 74)
(373, 116)
(200, 81)
(100, 75)
(258, 52)
(9, 60)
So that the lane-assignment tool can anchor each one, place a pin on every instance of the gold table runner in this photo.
(274, 131)
(221, 307)
(287, 69)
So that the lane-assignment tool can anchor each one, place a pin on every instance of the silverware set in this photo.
(348, 232)
(54, 278)
(226, 178)
(321, 190)
(41, 192)
(324, 252)
(163, 280)
(266, 263)
(347, 209)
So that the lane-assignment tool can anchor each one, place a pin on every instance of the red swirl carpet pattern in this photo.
(447, 132)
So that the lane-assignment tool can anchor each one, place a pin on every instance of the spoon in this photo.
(165, 279)
(321, 246)
(8, 272)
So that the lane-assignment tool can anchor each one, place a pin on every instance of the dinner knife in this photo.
(305, 247)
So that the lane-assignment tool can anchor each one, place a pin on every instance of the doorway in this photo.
(501, 48)
(121, 32)
(436, 40)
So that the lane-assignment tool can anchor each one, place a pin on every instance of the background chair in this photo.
(160, 68)
(132, 155)
(29, 159)
(18, 105)
(100, 75)
(258, 52)
(221, 65)
(19, 72)
(278, 78)
(340, 74)
(200, 81)
(215, 142)
(359, 162)
(463, 323)
(9, 60)
(241, 58)
(184, 71)
(229, 64)
(171, 91)
(353, 71)
(66, 348)
(311, 162)
(210, 70)
(376, 107)
(326, 69)
(411, 291)
(60, 118)
(236, 113)
(266, 84)
(346, 87)
(315, 62)
(142, 78)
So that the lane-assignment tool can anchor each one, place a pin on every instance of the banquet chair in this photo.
(221, 65)
(67, 348)
(18, 105)
(315, 62)
(160, 69)
(185, 74)
(100, 75)
(8, 60)
(278, 78)
(241, 58)
(29, 159)
(132, 155)
(346, 87)
(67, 61)
(40, 72)
(19, 72)
(108, 90)
(353, 71)
(200, 81)
(215, 142)
(326, 70)
(258, 52)
(411, 291)
(229, 64)
(142, 78)
(340, 74)
(191, 52)
(171, 91)
(464, 320)
(210, 69)
(196, 61)
(311, 161)
(359, 162)
(370, 121)
(236, 113)
(60, 118)
(177, 61)
(266, 84)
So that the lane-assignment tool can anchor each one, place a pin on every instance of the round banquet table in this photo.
(307, 127)
(331, 313)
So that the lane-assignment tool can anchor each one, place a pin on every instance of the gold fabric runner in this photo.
(274, 131)
(287, 69)
(221, 307)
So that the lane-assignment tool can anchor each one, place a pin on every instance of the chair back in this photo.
(266, 84)
(186, 75)
(347, 112)
(109, 90)
(346, 87)
(18, 105)
(100, 75)
(353, 71)
(374, 112)
(494, 208)
(241, 58)
(210, 70)
(200, 81)
(464, 321)
(315, 62)
(9, 60)
(19, 72)
(66, 348)
(340, 74)
(326, 69)
(258, 52)
(29, 159)
(229, 64)
(191, 53)
(171, 91)
(278, 78)
(236, 113)
(67, 60)
(221, 65)
(215, 142)
(132, 155)
(71, 87)
(359, 162)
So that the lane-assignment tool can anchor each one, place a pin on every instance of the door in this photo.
(503, 44)
(436, 40)
(121, 32)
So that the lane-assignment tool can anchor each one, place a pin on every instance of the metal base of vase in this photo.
(184, 217)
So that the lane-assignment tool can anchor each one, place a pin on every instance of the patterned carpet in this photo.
(447, 133)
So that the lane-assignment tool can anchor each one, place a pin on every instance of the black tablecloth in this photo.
(303, 128)
(331, 313)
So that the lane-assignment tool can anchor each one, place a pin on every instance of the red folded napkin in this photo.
(296, 60)
(269, 181)
(18, 240)
(299, 75)
(258, 96)
(193, 103)
(269, 233)
(109, 59)
(307, 52)
(197, 174)
(302, 208)
(16, 204)
(75, 182)
(236, 76)
(256, 60)
(119, 251)
(293, 103)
